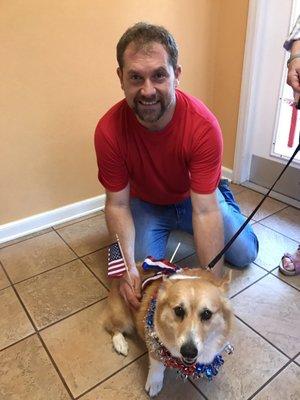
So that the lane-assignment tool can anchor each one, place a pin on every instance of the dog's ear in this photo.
(225, 281)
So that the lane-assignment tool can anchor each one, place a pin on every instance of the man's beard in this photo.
(153, 114)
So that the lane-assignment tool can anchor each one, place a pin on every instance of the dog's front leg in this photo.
(155, 378)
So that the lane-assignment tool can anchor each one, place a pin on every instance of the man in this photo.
(292, 44)
(159, 156)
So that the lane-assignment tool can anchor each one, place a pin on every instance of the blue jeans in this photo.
(154, 223)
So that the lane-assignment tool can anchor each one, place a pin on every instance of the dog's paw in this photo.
(120, 344)
(153, 388)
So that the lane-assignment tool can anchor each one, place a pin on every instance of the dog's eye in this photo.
(179, 311)
(205, 315)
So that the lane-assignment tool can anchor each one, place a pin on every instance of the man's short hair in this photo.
(142, 34)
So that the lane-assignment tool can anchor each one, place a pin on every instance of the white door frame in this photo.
(249, 88)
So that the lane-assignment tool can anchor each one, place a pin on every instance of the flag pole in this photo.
(171, 259)
(127, 270)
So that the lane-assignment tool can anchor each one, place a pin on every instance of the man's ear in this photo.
(120, 75)
(177, 74)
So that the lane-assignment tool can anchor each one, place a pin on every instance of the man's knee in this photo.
(243, 256)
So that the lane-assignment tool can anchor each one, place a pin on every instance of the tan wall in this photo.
(58, 76)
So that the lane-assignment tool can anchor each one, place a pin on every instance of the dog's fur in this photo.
(194, 290)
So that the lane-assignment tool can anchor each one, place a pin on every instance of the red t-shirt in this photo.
(161, 166)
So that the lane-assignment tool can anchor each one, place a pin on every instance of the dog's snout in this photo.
(189, 350)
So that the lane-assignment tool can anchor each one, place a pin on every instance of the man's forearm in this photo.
(119, 221)
(209, 237)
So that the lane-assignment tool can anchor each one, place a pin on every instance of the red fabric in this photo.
(293, 126)
(162, 166)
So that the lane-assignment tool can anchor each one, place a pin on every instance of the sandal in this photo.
(293, 259)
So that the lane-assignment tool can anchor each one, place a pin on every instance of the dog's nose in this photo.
(189, 350)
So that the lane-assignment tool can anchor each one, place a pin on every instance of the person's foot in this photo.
(290, 263)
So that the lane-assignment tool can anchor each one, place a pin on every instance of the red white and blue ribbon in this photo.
(161, 267)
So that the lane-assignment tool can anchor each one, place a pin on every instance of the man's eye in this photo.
(160, 76)
(179, 312)
(135, 77)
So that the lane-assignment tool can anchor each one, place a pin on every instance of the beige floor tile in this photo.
(22, 238)
(129, 384)
(97, 262)
(285, 386)
(272, 246)
(74, 221)
(286, 222)
(236, 188)
(252, 363)
(27, 373)
(291, 280)
(4, 282)
(86, 236)
(277, 313)
(248, 200)
(83, 351)
(185, 249)
(55, 294)
(241, 278)
(33, 256)
(298, 360)
(14, 322)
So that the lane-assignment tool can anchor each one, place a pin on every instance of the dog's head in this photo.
(193, 316)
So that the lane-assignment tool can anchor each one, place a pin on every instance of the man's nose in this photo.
(148, 89)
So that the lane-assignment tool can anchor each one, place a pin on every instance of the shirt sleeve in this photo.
(112, 170)
(206, 159)
(294, 35)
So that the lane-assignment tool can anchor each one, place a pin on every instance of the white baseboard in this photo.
(38, 222)
(227, 173)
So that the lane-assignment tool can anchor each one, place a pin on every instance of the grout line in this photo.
(269, 380)
(56, 227)
(95, 251)
(97, 277)
(281, 280)
(47, 270)
(110, 376)
(38, 335)
(247, 287)
(274, 230)
(26, 237)
(55, 366)
(82, 255)
(259, 334)
(18, 341)
(196, 387)
(71, 314)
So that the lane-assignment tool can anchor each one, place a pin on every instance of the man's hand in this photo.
(131, 295)
(293, 77)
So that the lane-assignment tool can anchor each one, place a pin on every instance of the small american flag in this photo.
(116, 264)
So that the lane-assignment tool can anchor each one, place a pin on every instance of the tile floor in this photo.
(53, 289)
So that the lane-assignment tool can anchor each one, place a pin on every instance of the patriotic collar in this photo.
(196, 370)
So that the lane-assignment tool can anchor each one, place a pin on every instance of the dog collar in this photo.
(196, 370)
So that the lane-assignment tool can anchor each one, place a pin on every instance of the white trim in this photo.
(38, 222)
(242, 159)
(274, 195)
(47, 219)
(227, 173)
